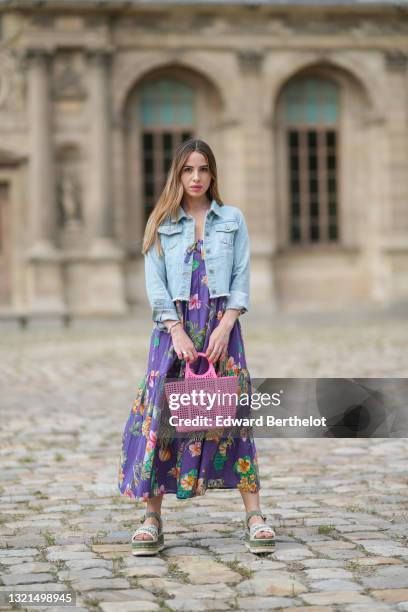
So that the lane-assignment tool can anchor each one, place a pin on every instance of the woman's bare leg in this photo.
(152, 505)
(252, 502)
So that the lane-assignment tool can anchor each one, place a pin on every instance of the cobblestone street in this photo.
(339, 505)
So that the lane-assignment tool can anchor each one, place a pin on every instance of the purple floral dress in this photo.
(153, 460)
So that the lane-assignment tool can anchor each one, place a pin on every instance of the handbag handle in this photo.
(210, 373)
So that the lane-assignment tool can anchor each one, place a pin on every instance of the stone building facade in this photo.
(305, 107)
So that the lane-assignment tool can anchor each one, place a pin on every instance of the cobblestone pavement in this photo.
(339, 506)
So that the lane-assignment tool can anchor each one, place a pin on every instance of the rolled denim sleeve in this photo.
(239, 286)
(163, 307)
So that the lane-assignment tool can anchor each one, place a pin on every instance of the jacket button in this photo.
(227, 227)
(208, 250)
(211, 270)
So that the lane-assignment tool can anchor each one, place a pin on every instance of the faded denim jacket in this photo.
(226, 253)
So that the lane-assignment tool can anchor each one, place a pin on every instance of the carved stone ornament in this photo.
(11, 82)
(67, 84)
(250, 60)
(396, 60)
(69, 202)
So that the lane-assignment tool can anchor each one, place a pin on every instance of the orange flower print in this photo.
(230, 363)
(243, 465)
(220, 314)
(146, 426)
(194, 302)
(153, 438)
(232, 367)
(136, 405)
(175, 471)
(243, 484)
(204, 279)
(187, 482)
(195, 449)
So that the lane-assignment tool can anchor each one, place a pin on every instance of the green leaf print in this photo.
(186, 483)
(219, 461)
(197, 337)
(147, 469)
(136, 428)
(156, 341)
(196, 264)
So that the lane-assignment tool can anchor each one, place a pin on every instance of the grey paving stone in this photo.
(101, 583)
(391, 577)
(129, 606)
(119, 595)
(84, 564)
(28, 568)
(195, 605)
(11, 579)
(269, 582)
(17, 552)
(265, 603)
(84, 574)
(325, 573)
(305, 483)
(335, 585)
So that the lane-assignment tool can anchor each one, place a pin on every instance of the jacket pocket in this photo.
(170, 236)
(226, 232)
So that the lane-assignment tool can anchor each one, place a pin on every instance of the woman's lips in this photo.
(196, 187)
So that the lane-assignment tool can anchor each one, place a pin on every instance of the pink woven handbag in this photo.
(214, 396)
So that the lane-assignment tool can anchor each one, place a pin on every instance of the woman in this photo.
(197, 280)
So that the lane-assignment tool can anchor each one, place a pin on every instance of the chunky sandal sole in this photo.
(147, 548)
(254, 544)
(150, 546)
(265, 545)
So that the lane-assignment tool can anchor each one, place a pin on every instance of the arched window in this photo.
(311, 114)
(167, 117)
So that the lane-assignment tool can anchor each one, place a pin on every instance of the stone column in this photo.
(257, 170)
(101, 152)
(45, 291)
(41, 169)
(105, 275)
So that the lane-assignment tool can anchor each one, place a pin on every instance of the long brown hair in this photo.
(172, 194)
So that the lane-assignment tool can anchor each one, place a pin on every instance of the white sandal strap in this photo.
(254, 529)
(149, 530)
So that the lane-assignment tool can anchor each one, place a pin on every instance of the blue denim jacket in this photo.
(226, 251)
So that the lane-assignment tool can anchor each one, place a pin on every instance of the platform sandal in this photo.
(152, 546)
(258, 545)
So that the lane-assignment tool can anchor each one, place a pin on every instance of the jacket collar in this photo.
(215, 208)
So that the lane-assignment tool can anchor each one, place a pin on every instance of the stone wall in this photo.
(70, 152)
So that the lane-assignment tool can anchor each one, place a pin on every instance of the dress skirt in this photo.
(153, 460)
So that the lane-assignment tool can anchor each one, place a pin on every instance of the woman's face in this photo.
(195, 175)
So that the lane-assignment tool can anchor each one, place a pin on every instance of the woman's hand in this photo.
(218, 343)
(183, 344)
